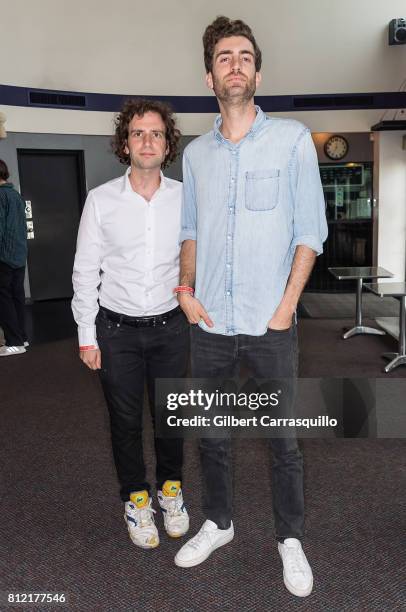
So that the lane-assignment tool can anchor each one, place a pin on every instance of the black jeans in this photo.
(12, 304)
(273, 355)
(131, 356)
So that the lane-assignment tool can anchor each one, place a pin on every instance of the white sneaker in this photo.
(297, 573)
(5, 351)
(176, 518)
(203, 544)
(140, 520)
(26, 344)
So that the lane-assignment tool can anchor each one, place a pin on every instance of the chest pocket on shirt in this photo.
(262, 189)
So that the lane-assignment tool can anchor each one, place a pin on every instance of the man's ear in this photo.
(209, 80)
(126, 149)
(258, 78)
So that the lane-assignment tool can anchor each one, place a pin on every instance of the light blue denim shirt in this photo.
(248, 206)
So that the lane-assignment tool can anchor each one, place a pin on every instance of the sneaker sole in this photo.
(145, 546)
(202, 558)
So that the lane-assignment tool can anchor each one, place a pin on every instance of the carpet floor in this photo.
(61, 522)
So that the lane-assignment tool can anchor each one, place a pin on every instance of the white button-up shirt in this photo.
(127, 254)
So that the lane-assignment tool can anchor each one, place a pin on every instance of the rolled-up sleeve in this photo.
(310, 225)
(188, 231)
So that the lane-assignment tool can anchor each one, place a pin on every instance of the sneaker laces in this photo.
(198, 538)
(173, 506)
(294, 561)
(145, 515)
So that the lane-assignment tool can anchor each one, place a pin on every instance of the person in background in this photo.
(130, 326)
(13, 257)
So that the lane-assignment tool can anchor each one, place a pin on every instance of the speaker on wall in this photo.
(397, 32)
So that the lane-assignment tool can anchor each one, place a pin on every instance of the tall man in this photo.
(253, 221)
(13, 256)
(127, 261)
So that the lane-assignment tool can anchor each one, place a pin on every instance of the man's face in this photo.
(146, 142)
(233, 76)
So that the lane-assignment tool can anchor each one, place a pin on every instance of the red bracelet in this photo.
(90, 347)
(184, 289)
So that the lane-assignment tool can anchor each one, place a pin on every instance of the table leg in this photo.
(400, 357)
(359, 328)
(402, 325)
(358, 304)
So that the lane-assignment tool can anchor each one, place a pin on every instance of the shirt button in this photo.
(228, 292)
(229, 236)
(228, 265)
(233, 178)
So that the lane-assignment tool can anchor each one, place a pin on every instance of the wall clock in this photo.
(336, 147)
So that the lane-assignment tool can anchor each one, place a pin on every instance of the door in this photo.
(348, 195)
(53, 181)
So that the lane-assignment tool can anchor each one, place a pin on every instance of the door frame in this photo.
(80, 163)
(79, 155)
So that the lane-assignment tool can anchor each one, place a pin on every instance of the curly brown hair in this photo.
(223, 27)
(140, 106)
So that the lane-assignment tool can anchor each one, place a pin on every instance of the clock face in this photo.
(336, 147)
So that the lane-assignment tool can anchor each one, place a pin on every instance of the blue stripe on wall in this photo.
(11, 95)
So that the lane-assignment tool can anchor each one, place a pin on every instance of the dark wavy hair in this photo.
(4, 173)
(140, 106)
(223, 27)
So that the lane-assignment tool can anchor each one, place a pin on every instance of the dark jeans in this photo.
(12, 304)
(273, 355)
(130, 357)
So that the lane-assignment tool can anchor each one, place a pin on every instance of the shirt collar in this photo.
(126, 185)
(259, 120)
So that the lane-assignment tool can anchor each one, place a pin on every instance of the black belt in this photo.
(153, 321)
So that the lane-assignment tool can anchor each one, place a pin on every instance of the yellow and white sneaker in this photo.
(176, 518)
(139, 516)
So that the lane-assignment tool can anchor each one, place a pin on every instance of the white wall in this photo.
(390, 172)
(311, 46)
(138, 48)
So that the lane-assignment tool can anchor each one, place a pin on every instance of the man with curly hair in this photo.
(130, 326)
(253, 222)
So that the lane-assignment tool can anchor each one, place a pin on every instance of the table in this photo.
(359, 274)
(397, 290)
